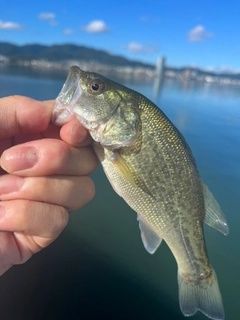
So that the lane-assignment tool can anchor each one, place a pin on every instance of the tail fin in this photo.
(203, 296)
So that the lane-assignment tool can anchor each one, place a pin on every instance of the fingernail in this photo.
(9, 184)
(19, 158)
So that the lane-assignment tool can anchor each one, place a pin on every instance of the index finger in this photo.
(20, 114)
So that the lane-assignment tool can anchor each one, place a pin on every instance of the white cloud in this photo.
(67, 32)
(96, 26)
(48, 16)
(199, 34)
(144, 19)
(140, 48)
(135, 47)
(150, 20)
(10, 25)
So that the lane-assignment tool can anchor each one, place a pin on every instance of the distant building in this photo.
(160, 67)
(3, 59)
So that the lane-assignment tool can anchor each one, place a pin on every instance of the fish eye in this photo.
(96, 86)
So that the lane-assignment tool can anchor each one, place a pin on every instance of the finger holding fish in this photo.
(41, 178)
(35, 168)
(48, 157)
(75, 134)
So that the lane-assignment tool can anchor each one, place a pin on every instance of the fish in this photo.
(150, 165)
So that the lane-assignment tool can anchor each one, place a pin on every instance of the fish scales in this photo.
(159, 151)
(150, 165)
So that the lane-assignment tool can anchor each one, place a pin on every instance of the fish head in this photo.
(102, 106)
(88, 96)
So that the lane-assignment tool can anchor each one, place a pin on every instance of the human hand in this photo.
(43, 175)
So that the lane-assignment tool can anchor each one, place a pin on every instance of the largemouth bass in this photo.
(150, 165)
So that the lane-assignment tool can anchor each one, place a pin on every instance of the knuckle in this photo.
(92, 160)
(84, 193)
(42, 188)
(64, 218)
(56, 155)
(95, 163)
(19, 213)
(90, 189)
(60, 220)
(24, 207)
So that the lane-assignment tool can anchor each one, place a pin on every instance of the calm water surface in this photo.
(98, 266)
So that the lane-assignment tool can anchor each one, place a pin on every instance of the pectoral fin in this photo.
(125, 169)
(150, 239)
(121, 165)
(214, 216)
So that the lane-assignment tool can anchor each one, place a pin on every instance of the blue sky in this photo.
(202, 33)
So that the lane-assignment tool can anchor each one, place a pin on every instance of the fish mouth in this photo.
(68, 103)
(71, 102)
(67, 98)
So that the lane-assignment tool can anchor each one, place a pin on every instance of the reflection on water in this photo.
(98, 266)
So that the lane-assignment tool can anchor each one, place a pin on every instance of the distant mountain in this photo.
(64, 52)
(63, 56)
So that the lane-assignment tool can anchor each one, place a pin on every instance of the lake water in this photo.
(98, 266)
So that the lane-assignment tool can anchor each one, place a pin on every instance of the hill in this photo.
(65, 55)
(57, 53)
